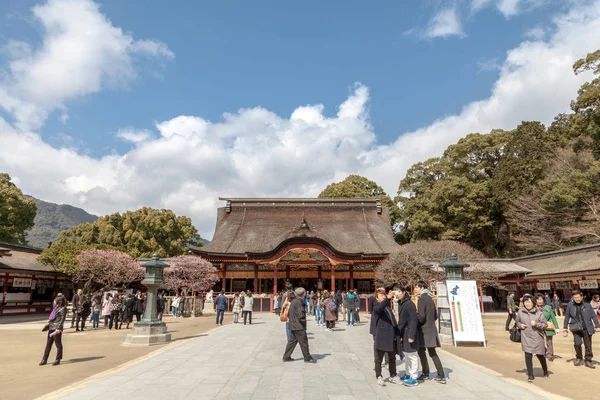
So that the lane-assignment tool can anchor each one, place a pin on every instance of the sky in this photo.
(114, 105)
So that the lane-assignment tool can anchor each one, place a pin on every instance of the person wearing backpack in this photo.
(330, 307)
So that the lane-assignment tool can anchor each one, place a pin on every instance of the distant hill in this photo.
(51, 219)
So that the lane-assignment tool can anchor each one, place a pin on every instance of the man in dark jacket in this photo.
(297, 326)
(356, 307)
(374, 319)
(74, 304)
(583, 322)
(408, 324)
(428, 335)
(511, 308)
(221, 303)
(385, 336)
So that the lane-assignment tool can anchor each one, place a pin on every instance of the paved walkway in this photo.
(244, 362)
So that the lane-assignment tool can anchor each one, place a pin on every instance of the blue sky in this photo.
(415, 76)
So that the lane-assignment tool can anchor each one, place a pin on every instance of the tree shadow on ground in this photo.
(189, 337)
(83, 359)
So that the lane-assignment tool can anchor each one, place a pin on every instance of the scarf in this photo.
(53, 314)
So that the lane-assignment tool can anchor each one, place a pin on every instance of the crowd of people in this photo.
(536, 325)
(406, 331)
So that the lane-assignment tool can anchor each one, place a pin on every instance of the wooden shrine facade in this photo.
(319, 244)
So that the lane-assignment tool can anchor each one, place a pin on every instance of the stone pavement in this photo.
(244, 362)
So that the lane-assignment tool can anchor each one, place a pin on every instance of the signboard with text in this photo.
(588, 284)
(465, 311)
(543, 286)
(563, 285)
(21, 283)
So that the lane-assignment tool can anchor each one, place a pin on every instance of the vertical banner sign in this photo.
(465, 310)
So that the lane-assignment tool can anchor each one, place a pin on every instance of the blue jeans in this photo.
(350, 319)
(287, 331)
(220, 313)
(95, 319)
(318, 315)
(174, 311)
(236, 317)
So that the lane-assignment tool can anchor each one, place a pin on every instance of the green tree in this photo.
(586, 120)
(139, 233)
(453, 197)
(356, 186)
(17, 212)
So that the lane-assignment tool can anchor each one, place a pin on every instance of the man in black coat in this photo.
(74, 303)
(408, 324)
(583, 322)
(297, 327)
(373, 325)
(428, 335)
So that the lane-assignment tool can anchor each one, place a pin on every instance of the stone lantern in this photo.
(150, 330)
(454, 269)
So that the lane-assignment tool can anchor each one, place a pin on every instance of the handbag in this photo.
(576, 327)
(515, 335)
(46, 328)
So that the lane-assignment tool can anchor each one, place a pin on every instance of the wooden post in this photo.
(481, 298)
(287, 272)
(255, 283)
(351, 276)
(224, 278)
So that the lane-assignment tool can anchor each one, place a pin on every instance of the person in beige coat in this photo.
(531, 322)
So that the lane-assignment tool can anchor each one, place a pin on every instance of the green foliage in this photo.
(586, 120)
(139, 233)
(355, 186)
(51, 219)
(17, 212)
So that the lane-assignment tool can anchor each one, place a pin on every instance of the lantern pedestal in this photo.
(150, 330)
(209, 308)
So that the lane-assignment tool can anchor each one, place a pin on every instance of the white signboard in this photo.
(588, 284)
(465, 311)
(487, 299)
(511, 288)
(543, 286)
(21, 282)
(563, 285)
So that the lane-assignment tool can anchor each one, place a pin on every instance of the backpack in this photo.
(283, 316)
(331, 306)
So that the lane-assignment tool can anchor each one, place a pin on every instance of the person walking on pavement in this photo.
(181, 305)
(137, 306)
(106, 307)
(532, 324)
(583, 322)
(511, 307)
(55, 327)
(221, 303)
(74, 304)
(237, 305)
(408, 324)
(96, 309)
(330, 307)
(349, 307)
(248, 306)
(557, 305)
(356, 307)
(160, 305)
(428, 339)
(287, 298)
(115, 310)
(550, 331)
(297, 325)
(128, 311)
(386, 331)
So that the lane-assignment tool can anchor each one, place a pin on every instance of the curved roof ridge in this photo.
(237, 231)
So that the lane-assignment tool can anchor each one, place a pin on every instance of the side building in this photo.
(319, 244)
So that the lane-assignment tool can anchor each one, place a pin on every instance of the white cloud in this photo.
(81, 52)
(133, 135)
(445, 23)
(508, 8)
(64, 118)
(191, 161)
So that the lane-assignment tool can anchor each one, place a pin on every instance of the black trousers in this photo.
(297, 337)
(584, 339)
(247, 314)
(73, 318)
(330, 324)
(114, 319)
(81, 318)
(387, 357)
(434, 357)
(379, 354)
(56, 339)
(529, 363)
(106, 318)
(356, 316)
(138, 316)
(509, 319)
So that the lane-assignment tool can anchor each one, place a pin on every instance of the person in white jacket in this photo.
(248, 304)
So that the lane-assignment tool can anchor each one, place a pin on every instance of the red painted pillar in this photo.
(275, 279)
(255, 278)
(351, 276)
(332, 278)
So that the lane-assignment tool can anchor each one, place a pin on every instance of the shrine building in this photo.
(319, 244)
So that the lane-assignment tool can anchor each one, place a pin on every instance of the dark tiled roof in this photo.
(582, 259)
(22, 258)
(348, 226)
